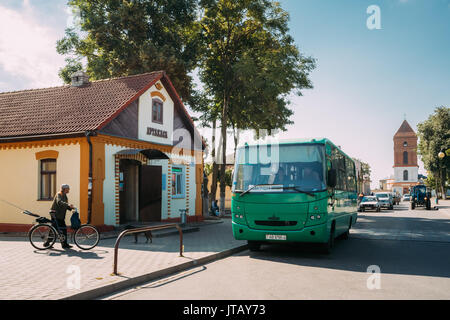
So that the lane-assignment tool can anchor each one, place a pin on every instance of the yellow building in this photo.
(126, 146)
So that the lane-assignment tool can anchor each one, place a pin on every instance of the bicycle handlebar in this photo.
(31, 214)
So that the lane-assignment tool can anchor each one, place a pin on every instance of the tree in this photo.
(434, 137)
(121, 38)
(249, 65)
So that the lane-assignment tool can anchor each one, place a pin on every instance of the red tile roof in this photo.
(68, 109)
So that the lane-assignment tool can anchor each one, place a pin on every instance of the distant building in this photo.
(405, 159)
(363, 181)
(386, 184)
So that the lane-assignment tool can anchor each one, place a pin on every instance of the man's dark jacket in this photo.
(60, 205)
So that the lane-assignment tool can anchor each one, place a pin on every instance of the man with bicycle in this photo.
(58, 213)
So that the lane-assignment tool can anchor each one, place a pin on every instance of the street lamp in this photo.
(441, 155)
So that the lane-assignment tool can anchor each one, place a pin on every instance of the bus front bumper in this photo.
(317, 233)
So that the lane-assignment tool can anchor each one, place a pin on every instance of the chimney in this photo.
(79, 79)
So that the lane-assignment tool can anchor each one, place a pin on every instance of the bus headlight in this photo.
(312, 217)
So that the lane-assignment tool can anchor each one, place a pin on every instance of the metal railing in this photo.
(143, 229)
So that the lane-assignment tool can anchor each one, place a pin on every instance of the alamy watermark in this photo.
(374, 20)
(374, 280)
(73, 281)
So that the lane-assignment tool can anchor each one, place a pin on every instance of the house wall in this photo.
(169, 206)
(19, 183)
(145, 115)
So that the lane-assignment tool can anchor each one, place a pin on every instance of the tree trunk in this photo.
(215, 168)
(443, 179)
(224, 152)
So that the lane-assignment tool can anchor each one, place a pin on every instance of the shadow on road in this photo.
(378, 221)
(394, 257)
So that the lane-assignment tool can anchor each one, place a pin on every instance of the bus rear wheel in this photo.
(254, 245)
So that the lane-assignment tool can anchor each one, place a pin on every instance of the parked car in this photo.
(385, 199)
(369, 203)
(406, 197)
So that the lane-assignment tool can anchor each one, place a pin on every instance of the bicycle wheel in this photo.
(42, 236)
(86, 237)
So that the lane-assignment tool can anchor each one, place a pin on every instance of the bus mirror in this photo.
(332, 178)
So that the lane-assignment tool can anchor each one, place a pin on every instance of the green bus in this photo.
(293, 191)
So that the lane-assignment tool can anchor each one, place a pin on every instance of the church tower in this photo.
(406, 169)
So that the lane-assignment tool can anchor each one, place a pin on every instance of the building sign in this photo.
(156, 132)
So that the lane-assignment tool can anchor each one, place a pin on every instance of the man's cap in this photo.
(65, 186)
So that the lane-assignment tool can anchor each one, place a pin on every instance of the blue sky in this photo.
(364, 83)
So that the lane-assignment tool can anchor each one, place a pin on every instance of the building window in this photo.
(47, 179)
(157, 111)
(405, 157)
(177, 182)
(405, 144)
(405, 175)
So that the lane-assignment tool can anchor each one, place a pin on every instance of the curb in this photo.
(126, 284)
(156, 235)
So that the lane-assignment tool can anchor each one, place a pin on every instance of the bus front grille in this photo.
(275, 223)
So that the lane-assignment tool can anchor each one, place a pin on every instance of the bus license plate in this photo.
(275, 237)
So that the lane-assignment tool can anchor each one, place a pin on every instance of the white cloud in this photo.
(28, 48)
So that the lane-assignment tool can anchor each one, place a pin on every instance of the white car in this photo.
(385, 200)
(369, 203)
(406, 197)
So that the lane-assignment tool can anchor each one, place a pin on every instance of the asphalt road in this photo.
(409, 249)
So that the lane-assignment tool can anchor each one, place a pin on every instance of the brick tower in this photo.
(406, 169)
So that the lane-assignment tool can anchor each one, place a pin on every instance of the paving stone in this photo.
(51, 274)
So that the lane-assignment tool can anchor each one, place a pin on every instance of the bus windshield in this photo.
(280, 168)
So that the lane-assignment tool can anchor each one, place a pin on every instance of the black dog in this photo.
(148, 234)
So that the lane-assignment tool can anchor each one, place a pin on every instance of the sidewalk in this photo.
(52, 274)
(443, 205)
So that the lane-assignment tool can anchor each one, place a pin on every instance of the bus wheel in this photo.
(329, 245)
(346, 234)
(254, 245)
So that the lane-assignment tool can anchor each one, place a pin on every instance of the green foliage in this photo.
(434, 137)
(72, 66)
(121, 38)
(208, 169)
(250, 61)
(430, 181)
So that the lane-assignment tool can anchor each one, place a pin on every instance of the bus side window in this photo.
(351, 179)
(338, 163)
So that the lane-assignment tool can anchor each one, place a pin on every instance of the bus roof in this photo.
(320, 140)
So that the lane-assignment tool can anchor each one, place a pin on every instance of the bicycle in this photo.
(43, 235)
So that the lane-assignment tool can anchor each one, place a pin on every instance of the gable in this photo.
(125, 124)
